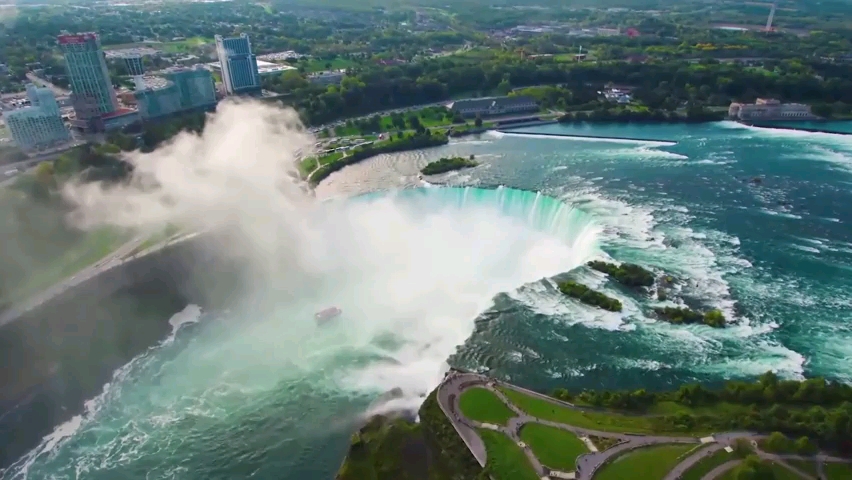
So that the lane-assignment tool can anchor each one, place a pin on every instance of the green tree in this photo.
(804, 446)
(478, 121)
(777, 442)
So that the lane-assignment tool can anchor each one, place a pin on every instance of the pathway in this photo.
(455, 383)
(114, 259)
(721, 469)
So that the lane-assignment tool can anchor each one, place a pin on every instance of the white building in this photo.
(770, 110)
(39, 126)
(491, 106)
(327, 78)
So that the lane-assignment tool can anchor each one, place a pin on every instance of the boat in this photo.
(325, 316)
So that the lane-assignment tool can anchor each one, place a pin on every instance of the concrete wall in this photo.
(61, 354)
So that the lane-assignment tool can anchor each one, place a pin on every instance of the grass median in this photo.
(554, 447)
(484, 406)
(650, 463)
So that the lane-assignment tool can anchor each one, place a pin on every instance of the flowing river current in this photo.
(755, 222)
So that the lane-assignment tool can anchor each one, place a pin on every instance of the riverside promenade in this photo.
(587, 465)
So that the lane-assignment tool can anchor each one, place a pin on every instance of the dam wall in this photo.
(61, 353)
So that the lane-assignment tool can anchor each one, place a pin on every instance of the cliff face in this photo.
(60, 354)
(397, 449)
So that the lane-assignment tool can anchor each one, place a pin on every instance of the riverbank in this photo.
(392, 145)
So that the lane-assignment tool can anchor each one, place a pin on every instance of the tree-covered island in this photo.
(627, 274)
(448, 164)
(682, 315)
(588, 296)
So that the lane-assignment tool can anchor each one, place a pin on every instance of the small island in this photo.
(713, 318)
(448, 164)
(589, 296)
(627, 274)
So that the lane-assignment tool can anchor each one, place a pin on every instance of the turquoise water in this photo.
(774, 254)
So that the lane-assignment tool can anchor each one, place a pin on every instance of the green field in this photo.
(319, 65)
(838, 471)
(781, 473)
(805, 466)
(707, 464)
(482, 405)
(605, 422)
(506, 460)
(651, 463)
(554, 447)
(94, 246)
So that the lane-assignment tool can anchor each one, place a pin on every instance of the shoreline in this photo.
(594, 137)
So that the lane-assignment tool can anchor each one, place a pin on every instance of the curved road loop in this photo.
(456, 382)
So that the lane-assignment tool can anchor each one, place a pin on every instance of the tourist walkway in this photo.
(455, 383)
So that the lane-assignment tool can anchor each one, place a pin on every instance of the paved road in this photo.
(688, 462)
(114, 259)
(721, 469)
(59, 92)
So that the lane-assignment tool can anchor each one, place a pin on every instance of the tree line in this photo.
(817, 408)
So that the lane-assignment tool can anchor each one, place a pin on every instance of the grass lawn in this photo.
(838, 471)
(319, 65)
(605, 422)
(506, 460)
(186, 45)
(482, 405)
(95, 246)
(806, 466)
(554, 447)
(707, 464)
(651, 463)
(784, 473)
(781, 473)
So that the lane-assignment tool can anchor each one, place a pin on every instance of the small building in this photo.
(492, 106)
(327, 78)
(40, 125)
(767, 109)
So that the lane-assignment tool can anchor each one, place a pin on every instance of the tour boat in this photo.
(327, 315)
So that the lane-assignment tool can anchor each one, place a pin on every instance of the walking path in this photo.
(455, 383)
(116, 258)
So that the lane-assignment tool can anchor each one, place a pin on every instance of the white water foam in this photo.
(20, 469)
(644, 143)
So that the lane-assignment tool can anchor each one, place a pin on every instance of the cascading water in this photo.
(263, 390)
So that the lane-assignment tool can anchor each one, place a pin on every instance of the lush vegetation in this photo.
(402, 142)
(554, 447)
(652, 463)
(603, 421)
(754, 467)
(589, 296)
(628, 274)
(484, 406)
(838, 471)
(396, 449)
(812, 408)
(680, 315)
(506, 460)
(448, 164)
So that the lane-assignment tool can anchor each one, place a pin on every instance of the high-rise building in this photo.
(92, 92)
(40, 125)
(133, 63)
(196, 87)
(239, 65)
(154, 103)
